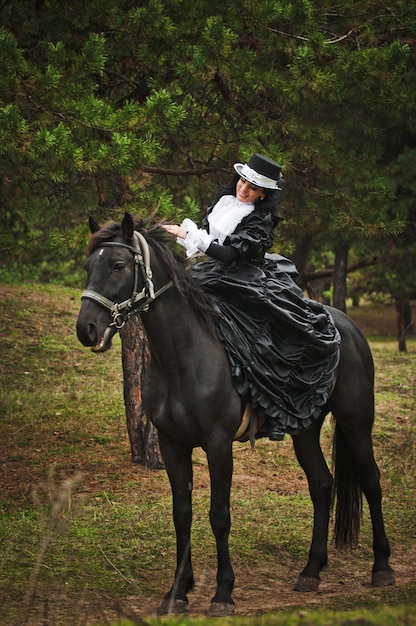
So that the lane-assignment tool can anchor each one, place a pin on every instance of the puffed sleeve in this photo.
(196, 240)
(253, 236)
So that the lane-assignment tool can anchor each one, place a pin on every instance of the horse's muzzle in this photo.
(94, 333)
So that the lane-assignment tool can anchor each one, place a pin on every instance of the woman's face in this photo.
(247, 192)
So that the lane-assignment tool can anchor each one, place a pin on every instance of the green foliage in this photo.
(112, 105)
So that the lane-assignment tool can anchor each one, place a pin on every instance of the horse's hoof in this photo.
(221, 609)
(171, 606)
(383, 578)
(307, 583)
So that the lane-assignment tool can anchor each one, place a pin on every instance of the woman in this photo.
(283, 348)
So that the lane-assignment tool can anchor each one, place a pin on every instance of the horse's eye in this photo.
(119, 266)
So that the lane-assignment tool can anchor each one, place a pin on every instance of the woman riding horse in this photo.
(189, 390)
(283, 348)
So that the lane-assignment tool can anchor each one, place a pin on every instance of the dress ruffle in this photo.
(283, 348)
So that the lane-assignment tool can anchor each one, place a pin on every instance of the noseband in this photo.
(138, 301)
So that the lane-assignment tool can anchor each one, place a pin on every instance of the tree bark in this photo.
(340, 276)
(300, 257)
(408, 319)
(144, 441)
(402, 306)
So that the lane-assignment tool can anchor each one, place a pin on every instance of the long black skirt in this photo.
(283, 348)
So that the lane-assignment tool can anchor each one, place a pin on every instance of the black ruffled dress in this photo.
(283, 348)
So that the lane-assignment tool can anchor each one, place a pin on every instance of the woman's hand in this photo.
(173, 229)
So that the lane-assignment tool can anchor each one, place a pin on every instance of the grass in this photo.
(87, 536)
(380, 616)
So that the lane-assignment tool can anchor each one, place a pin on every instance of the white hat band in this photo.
(257, 179)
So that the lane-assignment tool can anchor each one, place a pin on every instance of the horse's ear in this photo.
(94, 226)
(127, 226)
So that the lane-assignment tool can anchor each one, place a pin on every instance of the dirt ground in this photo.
(258, 592)
(259, 589)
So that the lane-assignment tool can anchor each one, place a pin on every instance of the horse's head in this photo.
(119, 277)
(121, 264)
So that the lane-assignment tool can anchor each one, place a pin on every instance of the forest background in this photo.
(114, 105)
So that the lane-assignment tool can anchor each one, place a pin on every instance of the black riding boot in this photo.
(274, 430)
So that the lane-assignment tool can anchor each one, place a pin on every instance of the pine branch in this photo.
(189, 172)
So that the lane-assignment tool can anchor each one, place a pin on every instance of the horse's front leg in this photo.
(178, 464)
(220, 461)
(309, 454)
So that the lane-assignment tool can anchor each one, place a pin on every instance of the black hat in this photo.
(260, 171)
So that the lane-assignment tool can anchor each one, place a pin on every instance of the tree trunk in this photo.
(340, 276)
(300, 257)
(402, 306)
(408, 319)
(144, 442)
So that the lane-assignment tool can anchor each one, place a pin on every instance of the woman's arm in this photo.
(225, 254)
(192, 238)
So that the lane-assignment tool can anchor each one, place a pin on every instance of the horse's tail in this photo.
(346, 494)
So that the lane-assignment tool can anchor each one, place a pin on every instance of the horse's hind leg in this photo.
(178, 464)
(309, 454)
(352, 405)
(369, 480)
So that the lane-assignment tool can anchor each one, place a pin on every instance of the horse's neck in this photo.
(175, 333)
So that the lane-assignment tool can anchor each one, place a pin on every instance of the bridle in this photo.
(138, 301)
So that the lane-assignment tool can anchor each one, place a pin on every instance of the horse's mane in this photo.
(177, 266)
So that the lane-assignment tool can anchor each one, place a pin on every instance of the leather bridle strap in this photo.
(138, 301)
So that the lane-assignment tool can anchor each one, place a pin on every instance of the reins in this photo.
(138, 301)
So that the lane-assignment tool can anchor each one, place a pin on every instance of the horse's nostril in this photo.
(87, 333)
(92, 333)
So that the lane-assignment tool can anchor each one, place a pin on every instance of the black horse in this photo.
(189, 396)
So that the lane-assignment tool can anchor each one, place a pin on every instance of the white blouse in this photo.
(223, 220)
